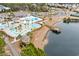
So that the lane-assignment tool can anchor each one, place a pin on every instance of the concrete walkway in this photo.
(12, 49)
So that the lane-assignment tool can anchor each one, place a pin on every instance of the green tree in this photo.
(30, 50)
(2, 44)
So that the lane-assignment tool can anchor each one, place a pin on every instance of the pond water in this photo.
(66, 43)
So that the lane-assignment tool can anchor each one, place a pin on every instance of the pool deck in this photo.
(15, 33)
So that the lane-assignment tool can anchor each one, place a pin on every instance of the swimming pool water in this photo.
(13, 31)
(2, 26)
(34, 19)
(36, 26)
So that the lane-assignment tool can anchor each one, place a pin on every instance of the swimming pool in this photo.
(32, 18)
(2, 26)
(34, 26)
(35, 19)
(13, 30)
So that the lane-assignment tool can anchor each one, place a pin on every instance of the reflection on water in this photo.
(66, 43)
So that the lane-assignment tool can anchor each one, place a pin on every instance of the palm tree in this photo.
(11, 15)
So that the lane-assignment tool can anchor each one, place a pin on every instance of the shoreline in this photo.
(39, 37)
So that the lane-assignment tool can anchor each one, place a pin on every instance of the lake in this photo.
(66, 43)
